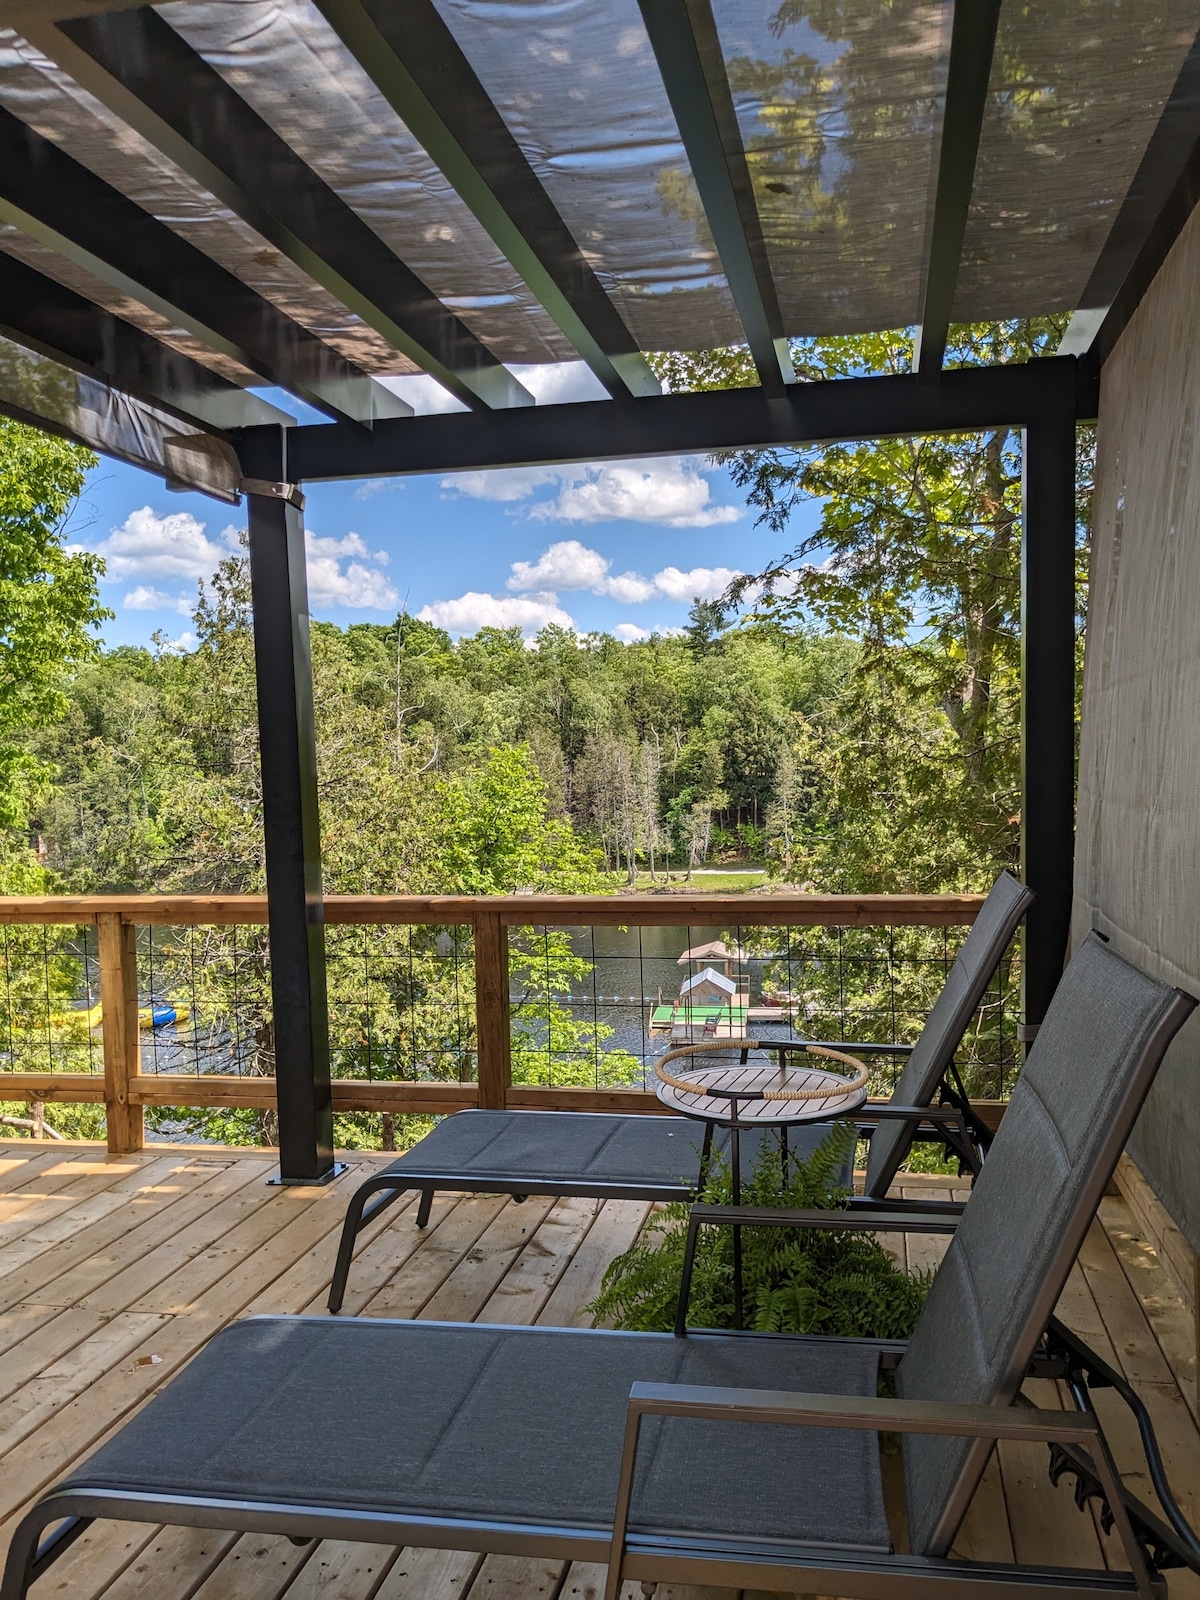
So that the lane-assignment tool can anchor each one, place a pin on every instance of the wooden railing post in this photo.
(122, 1044)
(492, 1036)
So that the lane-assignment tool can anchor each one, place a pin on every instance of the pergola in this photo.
(204, 196)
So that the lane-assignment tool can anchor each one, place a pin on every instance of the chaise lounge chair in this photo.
(744, 1460)
(640, 1157)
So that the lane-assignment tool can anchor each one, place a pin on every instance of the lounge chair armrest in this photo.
(864, 1413)
(910, 1208)
(885, 1111)
(834, 1221)
(869, 1413)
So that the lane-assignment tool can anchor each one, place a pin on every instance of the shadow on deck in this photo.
(113, 1273)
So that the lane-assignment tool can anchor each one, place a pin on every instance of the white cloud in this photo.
(357, 586)
(341, 572)
(473, 611)
(424, 394)
(146, 598)
(630, 588)
(502, 484)
(557, 383)
(566, 565)
(550, 383)
(377, 486)
(705, 582)
(572, 565)
(178, 647)
(630, 632)
(672, 493)
(172, 546)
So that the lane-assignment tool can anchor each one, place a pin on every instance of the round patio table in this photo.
(747, 1094)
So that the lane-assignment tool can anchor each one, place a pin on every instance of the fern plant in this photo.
(793, 1281)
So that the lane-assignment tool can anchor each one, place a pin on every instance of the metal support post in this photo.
(1047, 703)
(291, 831)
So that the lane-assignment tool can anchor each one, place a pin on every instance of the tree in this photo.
(705, 626)
(699, 834)
(646, 776)
(49, 602)
(781, 814)
(917, 557)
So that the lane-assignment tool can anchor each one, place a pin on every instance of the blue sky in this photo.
(620, 546)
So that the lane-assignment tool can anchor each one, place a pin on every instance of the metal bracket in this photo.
(291, 492)
(1027, 1032)
(280, 1182)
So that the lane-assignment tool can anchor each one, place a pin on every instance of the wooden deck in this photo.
(113, 1273)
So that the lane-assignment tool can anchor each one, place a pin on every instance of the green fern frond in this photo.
(842, 1284)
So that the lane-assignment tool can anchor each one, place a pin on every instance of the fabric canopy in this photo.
(559, 200)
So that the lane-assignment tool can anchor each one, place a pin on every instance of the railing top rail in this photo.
(517, 910)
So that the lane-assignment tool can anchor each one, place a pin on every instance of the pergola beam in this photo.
(1161, 198)
(972, 44)
(967, 399)
(55, 321)
(53, 198)
(687, 48)
(137, 65)
(21, 13)
(415, 61)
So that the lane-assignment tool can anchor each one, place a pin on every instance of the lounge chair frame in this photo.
(953, 1124)
(1075, 1438)
(1082, 1088)
(883, 1578)
(948, 1117)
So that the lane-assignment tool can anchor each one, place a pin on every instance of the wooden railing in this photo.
(125, 1090)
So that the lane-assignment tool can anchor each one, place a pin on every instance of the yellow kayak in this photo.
(156, 1016)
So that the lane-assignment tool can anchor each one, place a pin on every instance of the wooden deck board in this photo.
(147, 1257)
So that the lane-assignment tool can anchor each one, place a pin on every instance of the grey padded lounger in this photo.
(639, 1157)
(516, 1439)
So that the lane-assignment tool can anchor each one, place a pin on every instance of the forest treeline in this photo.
(487, 764)
(850, 717)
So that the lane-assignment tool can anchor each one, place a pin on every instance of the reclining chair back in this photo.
(950, 1018)
(1071, 1112)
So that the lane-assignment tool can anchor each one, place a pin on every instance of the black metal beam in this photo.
(44, 316)
(135, 63)
(687, 48)
(967, 399)
(291, 825)
(47, 194)
(972, 44)
(1161, 198)
(1047, 702)
(414, 59)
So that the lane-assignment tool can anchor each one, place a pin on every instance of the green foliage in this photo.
(48, 601)
(496, 835)
(841, 1284)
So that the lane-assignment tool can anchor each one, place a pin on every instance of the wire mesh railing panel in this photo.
(50, 1013)
(594, 1006)
(204, 1001)
(402, 1003)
